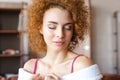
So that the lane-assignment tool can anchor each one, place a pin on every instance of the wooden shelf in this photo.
(8, 31)
(10, 55)
(11, 18)
(10, 63)
(11, 6)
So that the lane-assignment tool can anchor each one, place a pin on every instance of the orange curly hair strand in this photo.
(77, 10)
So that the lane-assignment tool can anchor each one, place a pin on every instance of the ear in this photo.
(40, 29)
(41, 32)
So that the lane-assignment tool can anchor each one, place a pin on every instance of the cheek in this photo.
(47, 35)
(47, 38)
(69, 36)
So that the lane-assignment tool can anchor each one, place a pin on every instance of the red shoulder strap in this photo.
(72, 67)
(35, 66)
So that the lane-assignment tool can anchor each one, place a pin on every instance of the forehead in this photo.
(57, 14)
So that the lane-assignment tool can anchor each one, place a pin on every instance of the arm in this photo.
(84, 69)
(81, 63)
(89, 73)
(85, 64)
(26, 73)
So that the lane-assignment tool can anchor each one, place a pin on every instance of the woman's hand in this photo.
(2, 78)
(52, 76)
(37, 77)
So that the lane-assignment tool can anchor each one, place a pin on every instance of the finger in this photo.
(2, 78)
(37, 77)
(53, 76)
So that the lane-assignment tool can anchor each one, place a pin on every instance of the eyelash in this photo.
(65, 27)
(51, 26)
(68, 28)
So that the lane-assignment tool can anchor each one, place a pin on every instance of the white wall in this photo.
(16, 1)
(103, 27)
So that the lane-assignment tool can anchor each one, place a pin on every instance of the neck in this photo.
(56, 57)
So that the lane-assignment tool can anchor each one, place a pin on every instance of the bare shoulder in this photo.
(29, 65)
(82, 62)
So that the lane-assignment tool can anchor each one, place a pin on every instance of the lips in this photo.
(58, 43)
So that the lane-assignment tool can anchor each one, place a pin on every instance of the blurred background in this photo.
(102, 44)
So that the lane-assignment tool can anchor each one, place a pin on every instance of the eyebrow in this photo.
(57, 23)
(53, 22)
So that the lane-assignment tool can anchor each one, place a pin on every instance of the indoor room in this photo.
(101, 42)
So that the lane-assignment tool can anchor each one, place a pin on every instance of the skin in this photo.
(57, 32)
(2, 78)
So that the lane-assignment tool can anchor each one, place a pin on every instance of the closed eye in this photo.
(68, 27)
(51, 26)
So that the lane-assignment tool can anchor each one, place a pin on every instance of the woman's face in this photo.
(57, 28)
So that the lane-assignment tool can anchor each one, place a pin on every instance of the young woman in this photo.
(54, 29)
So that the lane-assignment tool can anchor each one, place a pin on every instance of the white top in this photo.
(90, 73)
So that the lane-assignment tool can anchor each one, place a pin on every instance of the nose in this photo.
(60, 33)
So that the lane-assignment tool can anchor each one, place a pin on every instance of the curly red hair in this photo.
(77, 10)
